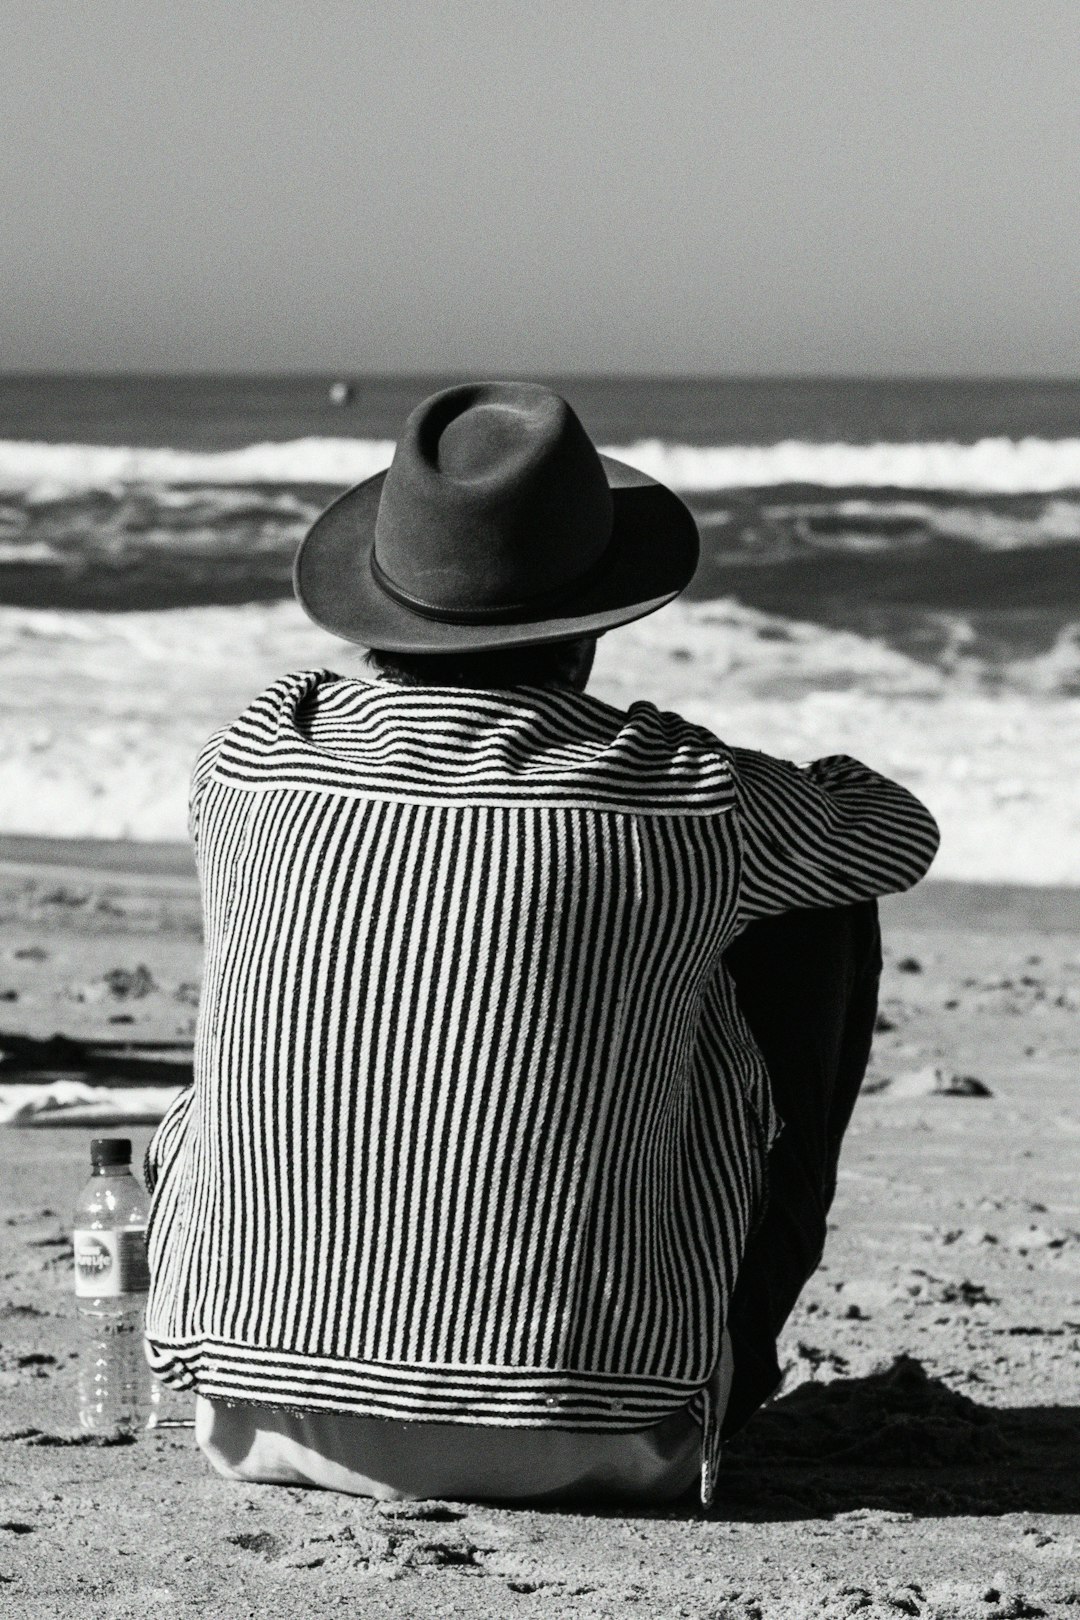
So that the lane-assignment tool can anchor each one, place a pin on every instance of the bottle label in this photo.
(110, 1263)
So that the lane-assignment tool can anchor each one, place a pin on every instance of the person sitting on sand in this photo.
(481, 1190)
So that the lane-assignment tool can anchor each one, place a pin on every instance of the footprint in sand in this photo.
(260, 1542)
(431, 1512)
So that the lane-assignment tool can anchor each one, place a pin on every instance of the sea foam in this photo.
(101, 715)
(990, 466)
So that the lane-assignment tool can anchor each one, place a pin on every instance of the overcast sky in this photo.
(703, 186)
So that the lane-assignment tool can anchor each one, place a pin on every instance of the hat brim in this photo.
(650, 559)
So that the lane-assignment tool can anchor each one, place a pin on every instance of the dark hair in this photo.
(561, 662)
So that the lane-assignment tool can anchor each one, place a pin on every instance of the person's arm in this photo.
(825, 834)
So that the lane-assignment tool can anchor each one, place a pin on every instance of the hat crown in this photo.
(496, 499)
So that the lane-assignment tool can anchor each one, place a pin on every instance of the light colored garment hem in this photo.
(395, 1461)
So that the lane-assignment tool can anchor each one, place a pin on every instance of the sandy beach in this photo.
(921, 1457)
(920, 1460)
(812, 270)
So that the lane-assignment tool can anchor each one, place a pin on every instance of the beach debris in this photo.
(1023, 994)
(909, 964)
(972, 1237)
(124, 984)
(922, 1288)
(812, 1357)
(966, 1293)
(1027, 1239)
(63, 895)
(933, 1081)
(133, 984)
(862, 1296)
(962, 1085)
(71, 1102)
(30, 953)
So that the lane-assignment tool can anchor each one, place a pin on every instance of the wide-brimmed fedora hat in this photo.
(497, 524)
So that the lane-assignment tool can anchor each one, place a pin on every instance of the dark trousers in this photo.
(807, 982)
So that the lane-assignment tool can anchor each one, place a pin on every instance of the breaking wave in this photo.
(101, 715)
(991, 466)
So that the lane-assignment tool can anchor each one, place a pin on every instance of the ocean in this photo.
(891, 567)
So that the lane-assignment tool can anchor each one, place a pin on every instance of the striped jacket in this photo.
(477, 1131)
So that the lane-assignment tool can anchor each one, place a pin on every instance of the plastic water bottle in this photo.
(117, 1393)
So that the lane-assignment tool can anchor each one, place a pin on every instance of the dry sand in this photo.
(923, 1459)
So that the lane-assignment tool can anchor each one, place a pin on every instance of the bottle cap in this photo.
(110, 1150)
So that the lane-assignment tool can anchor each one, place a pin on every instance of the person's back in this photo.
(479, 1132)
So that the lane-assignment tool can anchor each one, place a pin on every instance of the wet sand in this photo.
(922, 1458)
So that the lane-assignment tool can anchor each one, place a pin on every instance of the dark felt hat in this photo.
(497, 524)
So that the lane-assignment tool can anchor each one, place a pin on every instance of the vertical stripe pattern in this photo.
(477, 1129)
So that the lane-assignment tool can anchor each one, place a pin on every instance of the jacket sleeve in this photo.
(825, 834)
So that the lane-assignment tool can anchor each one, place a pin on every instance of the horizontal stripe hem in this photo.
(511, 1397)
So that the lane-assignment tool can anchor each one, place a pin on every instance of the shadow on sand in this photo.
(899, 1441)
(134, 1063)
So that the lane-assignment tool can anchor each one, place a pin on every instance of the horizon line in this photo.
(451, 377)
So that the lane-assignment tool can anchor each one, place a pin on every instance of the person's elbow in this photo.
(919, 846)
